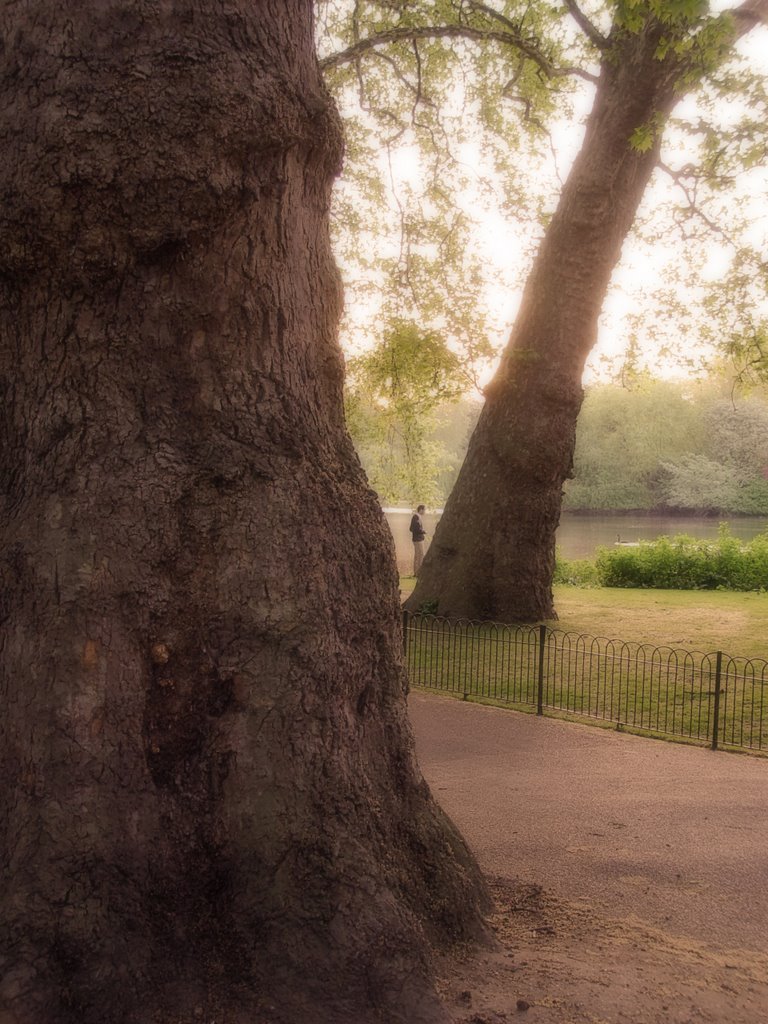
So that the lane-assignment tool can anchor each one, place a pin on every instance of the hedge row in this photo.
(675, 563)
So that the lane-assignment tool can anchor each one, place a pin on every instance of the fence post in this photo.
(540, 681)
(716, 712)
(406, 616)
(467, 650)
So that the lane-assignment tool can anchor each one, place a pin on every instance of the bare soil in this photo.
(565, 963)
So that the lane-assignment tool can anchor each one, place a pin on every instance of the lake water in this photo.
(579, 536)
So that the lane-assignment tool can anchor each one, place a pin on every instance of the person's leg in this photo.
(418, 556)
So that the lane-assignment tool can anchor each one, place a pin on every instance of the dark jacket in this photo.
(416, 528)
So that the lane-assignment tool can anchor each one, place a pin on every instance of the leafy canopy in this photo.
(393, 392)
(455, 113)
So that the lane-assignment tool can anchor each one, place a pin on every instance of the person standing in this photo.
(417, 535)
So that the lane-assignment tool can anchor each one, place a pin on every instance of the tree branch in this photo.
(590, 31)
(693, 207)
(489, 12)
(412, 34)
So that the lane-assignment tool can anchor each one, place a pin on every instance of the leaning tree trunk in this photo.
(210, 805)
(493, 553)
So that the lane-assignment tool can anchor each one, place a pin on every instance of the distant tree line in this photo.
(672, 445)
(655, 445)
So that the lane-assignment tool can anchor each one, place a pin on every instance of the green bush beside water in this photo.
(675, 563)
(576, 573)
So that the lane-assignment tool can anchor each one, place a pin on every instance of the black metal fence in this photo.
(707, 698)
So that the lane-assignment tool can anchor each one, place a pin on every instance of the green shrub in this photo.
(686, 563)
(579, 572)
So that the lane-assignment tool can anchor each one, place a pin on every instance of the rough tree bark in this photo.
(493, 553)
(210, 804)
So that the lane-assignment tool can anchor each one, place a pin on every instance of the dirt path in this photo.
(630, 875)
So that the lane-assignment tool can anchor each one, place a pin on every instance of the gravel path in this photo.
(658, 833)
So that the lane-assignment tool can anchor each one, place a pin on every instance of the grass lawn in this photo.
(703, 620)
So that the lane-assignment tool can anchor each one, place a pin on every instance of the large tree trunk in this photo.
(210, 804)
(493, 553)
